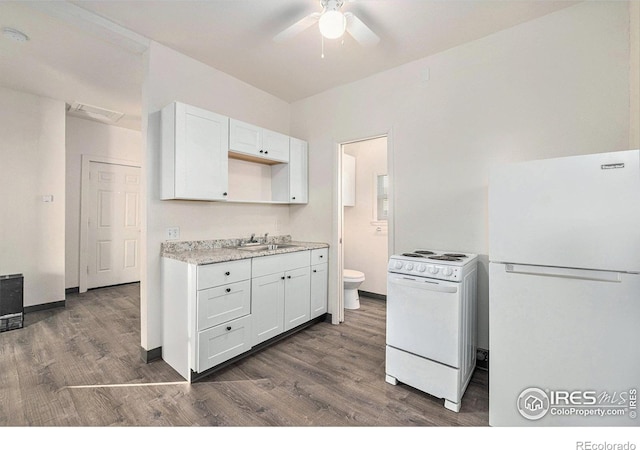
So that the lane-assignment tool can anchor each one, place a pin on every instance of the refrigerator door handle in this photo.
(564, 272)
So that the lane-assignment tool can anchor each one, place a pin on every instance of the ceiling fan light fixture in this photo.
(332, 24)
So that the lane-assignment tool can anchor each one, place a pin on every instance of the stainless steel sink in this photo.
(264, 247)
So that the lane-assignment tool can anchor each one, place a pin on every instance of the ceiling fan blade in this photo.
(297, 27)
(360, 32)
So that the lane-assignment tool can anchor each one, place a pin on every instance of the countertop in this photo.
(221, 250)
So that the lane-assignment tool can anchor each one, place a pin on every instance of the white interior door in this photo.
(113, 238)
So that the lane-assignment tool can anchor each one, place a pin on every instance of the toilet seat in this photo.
(352, 275)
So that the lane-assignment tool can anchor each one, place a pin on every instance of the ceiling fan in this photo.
(332, 23)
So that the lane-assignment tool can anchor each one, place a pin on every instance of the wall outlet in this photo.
(173, 233)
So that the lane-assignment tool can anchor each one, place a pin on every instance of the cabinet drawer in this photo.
(319, 256)
(212, 275)
(218, 344)
(223, 303)
(266, 265)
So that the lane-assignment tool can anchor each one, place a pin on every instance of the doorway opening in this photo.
(365, 217)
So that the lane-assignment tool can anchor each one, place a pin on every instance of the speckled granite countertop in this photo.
(221, 250)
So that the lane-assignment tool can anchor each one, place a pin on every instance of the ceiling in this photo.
(91, 51)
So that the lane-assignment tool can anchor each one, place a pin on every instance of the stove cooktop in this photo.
(438, 256)
(441, 265)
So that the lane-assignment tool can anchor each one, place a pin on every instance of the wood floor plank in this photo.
(325, 375)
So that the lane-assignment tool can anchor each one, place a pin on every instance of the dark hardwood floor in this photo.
(68, 365)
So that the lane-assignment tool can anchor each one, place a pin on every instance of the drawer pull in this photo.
(227, 273)
(228, 328)
(228, 289)
(288, 276)
(282, 278)
(314, 270)
(321, 256)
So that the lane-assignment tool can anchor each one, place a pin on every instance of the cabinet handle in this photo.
(321, 256)
(266, 152)
(228, 289)
(288, 276)
(227, 273)
(293, 198)
(282, 278)
(228, 328)
(224, 194)
(261, 151)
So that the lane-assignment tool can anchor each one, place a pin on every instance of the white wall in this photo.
(86, 137)
(634, 74)
(32, 164)
(365, 248)
(171, 76)
(558, 85)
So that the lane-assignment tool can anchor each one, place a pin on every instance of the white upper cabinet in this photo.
(298, 171)
(194, 160)
(208, 156)
(348, 180)
(257, 143)
(290, 182)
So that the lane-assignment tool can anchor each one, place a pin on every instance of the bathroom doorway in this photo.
(366, 215)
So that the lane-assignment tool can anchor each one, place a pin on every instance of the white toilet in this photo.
(352, 281)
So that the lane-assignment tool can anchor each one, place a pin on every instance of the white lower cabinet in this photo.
(268, 306)
(214, 312)
(297, 297)
(281, 294)
(319, 288)
(220, 343)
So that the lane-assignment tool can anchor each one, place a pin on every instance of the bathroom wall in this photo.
(365, 241)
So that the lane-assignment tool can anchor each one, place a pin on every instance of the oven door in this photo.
(423, 317)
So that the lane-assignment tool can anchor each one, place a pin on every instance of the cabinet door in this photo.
(297, 297)
(194, 153)
(275, 146)
(267, 307)
(218, 344)
(298, 172)
(223, 303)
(319, 286)
(245, 138)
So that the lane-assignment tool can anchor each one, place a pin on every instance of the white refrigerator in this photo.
(564, 291)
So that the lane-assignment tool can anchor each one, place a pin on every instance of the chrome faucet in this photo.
(253, 238)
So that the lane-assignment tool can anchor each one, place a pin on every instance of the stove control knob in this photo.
(398, 264)
(421, 268)
(434, 269)
(409, 266)
(447, 271)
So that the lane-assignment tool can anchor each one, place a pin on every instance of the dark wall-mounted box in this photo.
(11, 302)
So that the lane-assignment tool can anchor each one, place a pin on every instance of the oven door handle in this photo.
(426, 285)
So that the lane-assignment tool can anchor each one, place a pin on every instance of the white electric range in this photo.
(431, 322)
